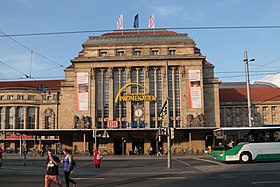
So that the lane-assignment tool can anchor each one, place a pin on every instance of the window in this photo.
(31, 97)
(273, 109)
(20, 118)
(172, 52)
(1, 97)
(137, 53)
(256, 109)
(264, 109)
(154, 52)
(229, 110)
(31, 118)
(10, 97)
(273, 118)
(120, 53)
(264, 118)
(238, 110)
(229, 119)
(49, 97)
(103, 53)
(20, 97)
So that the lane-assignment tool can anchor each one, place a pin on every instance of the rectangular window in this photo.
(120, 53)
(273, 118)
(238, 110)
(20, 118)
(10, 97)
(20, 97)
(264, 118)
(11, 116)
(2, 118)
(31, 97)
(155, 52)
(137, 53)
(103, 53)
(49, 97)
(1, 97)
(264, 109)
(172, 52)
(229, 110)
(31, 118)
(273, 109)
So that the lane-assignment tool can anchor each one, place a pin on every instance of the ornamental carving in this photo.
(196, 120)
(82, 122)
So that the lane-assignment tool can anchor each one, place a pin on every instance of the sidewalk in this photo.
(106, 157)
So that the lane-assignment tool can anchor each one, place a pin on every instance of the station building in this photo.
(120, 93)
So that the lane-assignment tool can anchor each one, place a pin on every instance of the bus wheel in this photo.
(245, 157)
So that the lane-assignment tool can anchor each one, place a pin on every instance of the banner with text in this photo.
(194, 89)
(82, 91)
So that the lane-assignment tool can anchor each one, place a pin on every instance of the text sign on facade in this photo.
(112, 124)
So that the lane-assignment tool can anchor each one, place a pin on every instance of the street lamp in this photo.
(248, 87)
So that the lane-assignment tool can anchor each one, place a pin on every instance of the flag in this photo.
(120, 22)
(136, 21)
(152, 21)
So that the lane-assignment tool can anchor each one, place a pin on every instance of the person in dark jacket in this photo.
(52, 174)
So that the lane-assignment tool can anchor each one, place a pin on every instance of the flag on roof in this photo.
(120, 22)
(152, 21)
(136, 21)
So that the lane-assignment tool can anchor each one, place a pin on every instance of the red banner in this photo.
(18, 137)
(112, 124)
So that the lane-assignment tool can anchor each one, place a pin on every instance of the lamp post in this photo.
(248, 87)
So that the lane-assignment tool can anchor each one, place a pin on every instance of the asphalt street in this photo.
(187, 170)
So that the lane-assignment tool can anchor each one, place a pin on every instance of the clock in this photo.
(138, 112)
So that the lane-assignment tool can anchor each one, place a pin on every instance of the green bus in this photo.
(247, 144)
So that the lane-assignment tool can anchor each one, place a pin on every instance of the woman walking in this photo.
(68, 167)
(97, 159)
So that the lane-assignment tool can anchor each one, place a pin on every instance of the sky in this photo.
(46, 56)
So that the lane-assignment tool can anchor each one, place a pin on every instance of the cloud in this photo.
(275, 79)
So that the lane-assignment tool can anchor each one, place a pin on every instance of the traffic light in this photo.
(172, 133)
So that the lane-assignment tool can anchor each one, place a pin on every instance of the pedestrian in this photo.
(68, 167)
(159, 153)
(151, 151)
(1, 154)
(97, 157)
(52, 173)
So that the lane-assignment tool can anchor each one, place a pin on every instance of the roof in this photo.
(257, 94)
(256, 84)
(33, 84)
(120, 37)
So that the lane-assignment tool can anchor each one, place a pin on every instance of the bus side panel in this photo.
(266, 151)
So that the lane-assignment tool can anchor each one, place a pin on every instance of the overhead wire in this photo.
(107, 30)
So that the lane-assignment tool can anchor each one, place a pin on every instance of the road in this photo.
(147, 171)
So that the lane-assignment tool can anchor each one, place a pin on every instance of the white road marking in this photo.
(187, 164)
(210, 161)
(95, 178)
(167, 178)
(266, 182)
